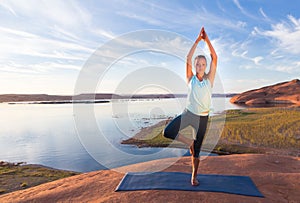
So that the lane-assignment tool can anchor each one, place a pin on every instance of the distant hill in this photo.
(281, 93)
(31, 97)
(45, 98)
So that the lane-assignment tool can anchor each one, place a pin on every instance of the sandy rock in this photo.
(277, 177)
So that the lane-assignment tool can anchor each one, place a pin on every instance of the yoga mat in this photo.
(240, 185)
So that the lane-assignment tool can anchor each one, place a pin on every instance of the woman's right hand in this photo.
(201, 36)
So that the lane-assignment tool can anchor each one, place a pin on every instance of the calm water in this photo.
(50, 134)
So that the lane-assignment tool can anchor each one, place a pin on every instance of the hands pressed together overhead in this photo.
(202, 35)
(213, 64)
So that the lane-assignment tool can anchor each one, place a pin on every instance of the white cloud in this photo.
(284, 68)
(237, 3)
(222, 46)
(242, 85)
(41, 37)
(12, 67)
(257, 59)
(294, 20)
(221, 7)
(160, 42)
(241, 24)
(26, 53)
(210, 19)
(241, 50)
(264, 14)
(30, 83)
(284, 65)
(276, 54)
(245, 66)
(103, 33)
(64, 34)
(143, 18)
(7, 6)
(65, 13)
(37, 68)
(286, 35)
(16, 42)
(297, 63)
(165, 14)
(17, 33)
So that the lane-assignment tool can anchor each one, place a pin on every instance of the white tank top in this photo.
(199, 96)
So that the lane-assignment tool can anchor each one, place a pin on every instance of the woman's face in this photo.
(200, 65)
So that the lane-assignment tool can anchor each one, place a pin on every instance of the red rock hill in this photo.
(281, 93)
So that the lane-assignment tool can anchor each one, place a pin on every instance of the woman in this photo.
(198, 104)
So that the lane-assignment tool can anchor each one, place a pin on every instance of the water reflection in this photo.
(46, 133)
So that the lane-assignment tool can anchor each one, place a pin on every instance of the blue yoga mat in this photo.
(240, 185)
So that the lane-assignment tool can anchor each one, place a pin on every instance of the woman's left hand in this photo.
(200, 36)
(203, 34)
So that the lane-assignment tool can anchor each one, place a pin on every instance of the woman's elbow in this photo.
(214, 58)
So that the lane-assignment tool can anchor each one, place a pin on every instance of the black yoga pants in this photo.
(187, 118)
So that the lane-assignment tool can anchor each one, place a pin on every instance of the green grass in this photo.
(24, 184)
(277, 128)
(17, 177)
(2, 191)
(155, 138)
(269, 127)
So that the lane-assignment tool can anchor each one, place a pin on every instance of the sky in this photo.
(44, 44)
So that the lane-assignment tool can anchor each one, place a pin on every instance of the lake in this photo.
(62, 136)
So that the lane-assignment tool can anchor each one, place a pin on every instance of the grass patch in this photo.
(23, 185)
(245, 131)
(2, 191)
(16, 177)
(270, 127)
(7, 171)
(153, 137)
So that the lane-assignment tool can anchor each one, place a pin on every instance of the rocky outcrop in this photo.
(281, 93)
(276, 177)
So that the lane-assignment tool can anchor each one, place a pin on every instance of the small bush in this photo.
(24, 184)
(2, 190)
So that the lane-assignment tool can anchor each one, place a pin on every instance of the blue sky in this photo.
(44, 44)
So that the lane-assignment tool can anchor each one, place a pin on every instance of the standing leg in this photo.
(195, 165)
(197, 146)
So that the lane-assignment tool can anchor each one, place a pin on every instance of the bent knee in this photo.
(167, 133)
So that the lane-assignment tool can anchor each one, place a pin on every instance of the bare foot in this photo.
(194, 182)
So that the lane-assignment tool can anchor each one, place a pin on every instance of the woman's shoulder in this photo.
(192, 79)
(207, 80)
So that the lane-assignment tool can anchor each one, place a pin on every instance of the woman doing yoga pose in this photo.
(198, 103)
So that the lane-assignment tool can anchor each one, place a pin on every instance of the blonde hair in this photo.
(199, 57)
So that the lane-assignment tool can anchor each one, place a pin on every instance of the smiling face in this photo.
(200, 65)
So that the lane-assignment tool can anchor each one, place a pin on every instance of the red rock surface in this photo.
(277, 178)
(281, 93)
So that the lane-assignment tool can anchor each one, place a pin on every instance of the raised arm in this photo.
(189, 66)
(214, 59)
